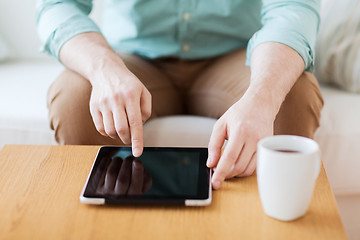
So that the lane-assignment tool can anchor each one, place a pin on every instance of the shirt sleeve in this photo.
(59, 21)
(294, 23)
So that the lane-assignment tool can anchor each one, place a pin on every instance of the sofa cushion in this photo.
(338, 137)
(190, 131)
(338, 44)
(4, 52)
(23, 111)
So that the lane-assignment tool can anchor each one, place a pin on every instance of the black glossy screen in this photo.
(159, 174)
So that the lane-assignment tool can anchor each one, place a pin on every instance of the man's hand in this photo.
(119, 103)
(275, 68)
(243, 125)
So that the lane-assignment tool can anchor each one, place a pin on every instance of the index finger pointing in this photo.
(136, 127)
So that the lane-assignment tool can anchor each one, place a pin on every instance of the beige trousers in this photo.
(201, 87)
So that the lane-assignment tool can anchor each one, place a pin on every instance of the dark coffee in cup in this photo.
(287, 151)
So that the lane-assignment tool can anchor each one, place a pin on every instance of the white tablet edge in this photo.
(97, 201)
(205, 202)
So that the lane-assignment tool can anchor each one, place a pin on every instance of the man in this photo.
(165, 57)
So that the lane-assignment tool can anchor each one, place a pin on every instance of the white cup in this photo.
(286, 179)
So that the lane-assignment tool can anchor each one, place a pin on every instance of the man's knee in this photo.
(68, 104)
(307, 95)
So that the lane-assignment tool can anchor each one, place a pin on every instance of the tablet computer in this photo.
(161, 175)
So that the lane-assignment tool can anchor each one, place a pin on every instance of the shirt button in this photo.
(186, 16)
(186, 47)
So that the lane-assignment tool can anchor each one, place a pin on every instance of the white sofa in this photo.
(26, 75)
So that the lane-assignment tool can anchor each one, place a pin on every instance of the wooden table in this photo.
(39, 199)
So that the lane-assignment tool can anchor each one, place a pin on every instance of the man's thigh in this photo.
(219, 86)
(300, 112)
(166, 100)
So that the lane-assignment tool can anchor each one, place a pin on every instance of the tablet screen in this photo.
(159, 175)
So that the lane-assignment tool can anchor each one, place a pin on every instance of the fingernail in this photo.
(216, 184)
(136, 152)
(208, 162)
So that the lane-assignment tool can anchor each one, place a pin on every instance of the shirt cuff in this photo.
(75, 25)
(293, 23)
(57, 23)
(292, 38)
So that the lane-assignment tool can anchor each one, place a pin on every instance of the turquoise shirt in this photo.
(186, 29)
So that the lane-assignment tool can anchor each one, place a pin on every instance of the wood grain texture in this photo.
(39, 199)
